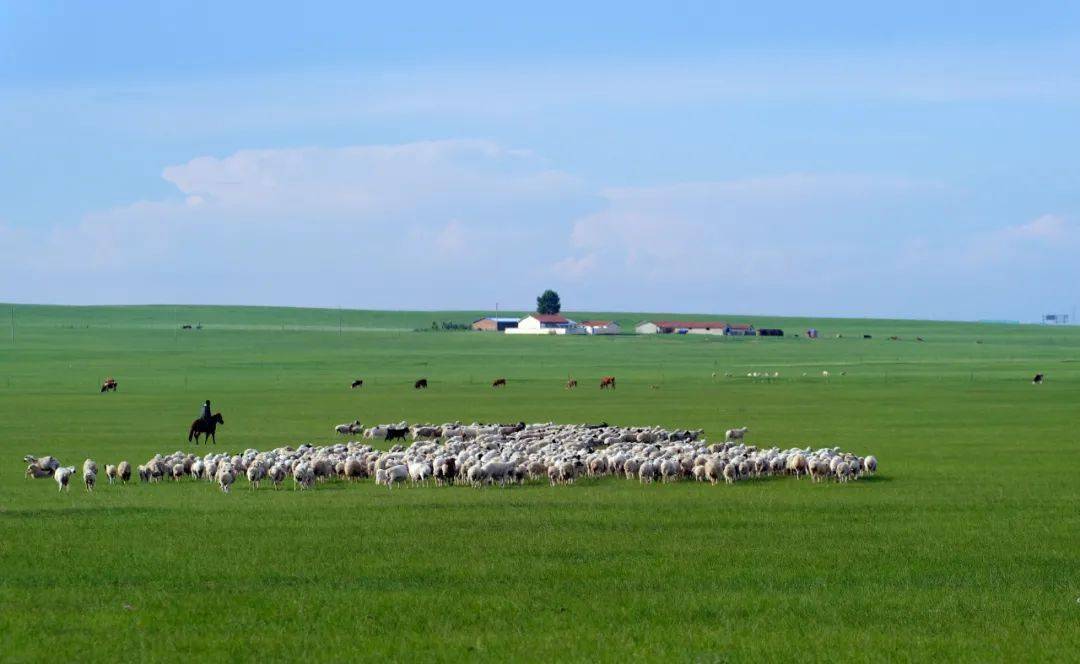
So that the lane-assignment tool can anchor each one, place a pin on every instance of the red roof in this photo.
(550, 318)
(596, 323)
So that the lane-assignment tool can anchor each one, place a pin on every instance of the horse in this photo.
(499, 382)
(359, 382)
(109, 385)
(571, 384)
(607, 381)
(202, 428)
(420, 384)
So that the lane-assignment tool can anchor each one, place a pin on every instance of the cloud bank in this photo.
(466, 223)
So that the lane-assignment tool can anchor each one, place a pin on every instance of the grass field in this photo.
(966, 546)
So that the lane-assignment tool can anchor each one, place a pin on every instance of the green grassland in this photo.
(966, 546)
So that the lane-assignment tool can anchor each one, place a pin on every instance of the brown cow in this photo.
(498, 382)
(571, 384)
(607, 381)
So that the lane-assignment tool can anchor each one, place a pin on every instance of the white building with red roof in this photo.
(546, 324)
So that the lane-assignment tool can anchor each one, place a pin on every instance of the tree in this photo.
(548, 303)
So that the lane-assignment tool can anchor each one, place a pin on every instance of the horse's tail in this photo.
(191, 432)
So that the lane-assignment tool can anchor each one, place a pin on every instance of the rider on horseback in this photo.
(206, 416)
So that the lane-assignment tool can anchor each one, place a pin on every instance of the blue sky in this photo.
(921, 160)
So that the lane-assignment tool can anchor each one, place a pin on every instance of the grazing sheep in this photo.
(90, 479)
(89, 466)
(487, 454)
(731, 473)
(110, 472)
(277, 475)
(396, 474)
(43, 467)
(63, 477)
(255, 473)
(732, 435)
(225, 477)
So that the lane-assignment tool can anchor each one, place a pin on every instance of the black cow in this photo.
(1038, 379)
(420, 384)
(359, 382)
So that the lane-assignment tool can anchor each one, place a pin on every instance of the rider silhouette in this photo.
(206, 415)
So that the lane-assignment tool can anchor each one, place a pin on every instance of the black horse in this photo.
(201, 427)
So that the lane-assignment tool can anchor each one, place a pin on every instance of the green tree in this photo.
(548, 303)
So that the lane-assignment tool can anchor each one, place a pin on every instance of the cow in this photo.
(109, 385)
(919, 339)
(867, 336)
(498, 382)
(1037, 380)
(359, 382)
(185, 327)
(894, 338)
(607, 381)
(571, 384)
(420, 384)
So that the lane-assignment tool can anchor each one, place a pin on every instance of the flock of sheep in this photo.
(480, 455)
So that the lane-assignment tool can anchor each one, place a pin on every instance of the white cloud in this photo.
(313, 225)
(763, 228)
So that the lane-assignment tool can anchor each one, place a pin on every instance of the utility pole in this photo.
(13, 325)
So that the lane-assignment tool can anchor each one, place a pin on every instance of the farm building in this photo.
(694, 327)
(600, 327)
(494, 324)
(770, 332)
(546, 324)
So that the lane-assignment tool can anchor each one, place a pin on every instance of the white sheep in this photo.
(396, 474)
(255, 473)
(225, 477)
(110, 472)
(735, 434)
(63, 477)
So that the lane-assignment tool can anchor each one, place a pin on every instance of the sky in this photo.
(912, 160)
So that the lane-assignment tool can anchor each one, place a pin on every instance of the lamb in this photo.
(110, 472)
(735, 434)
(63, 477)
